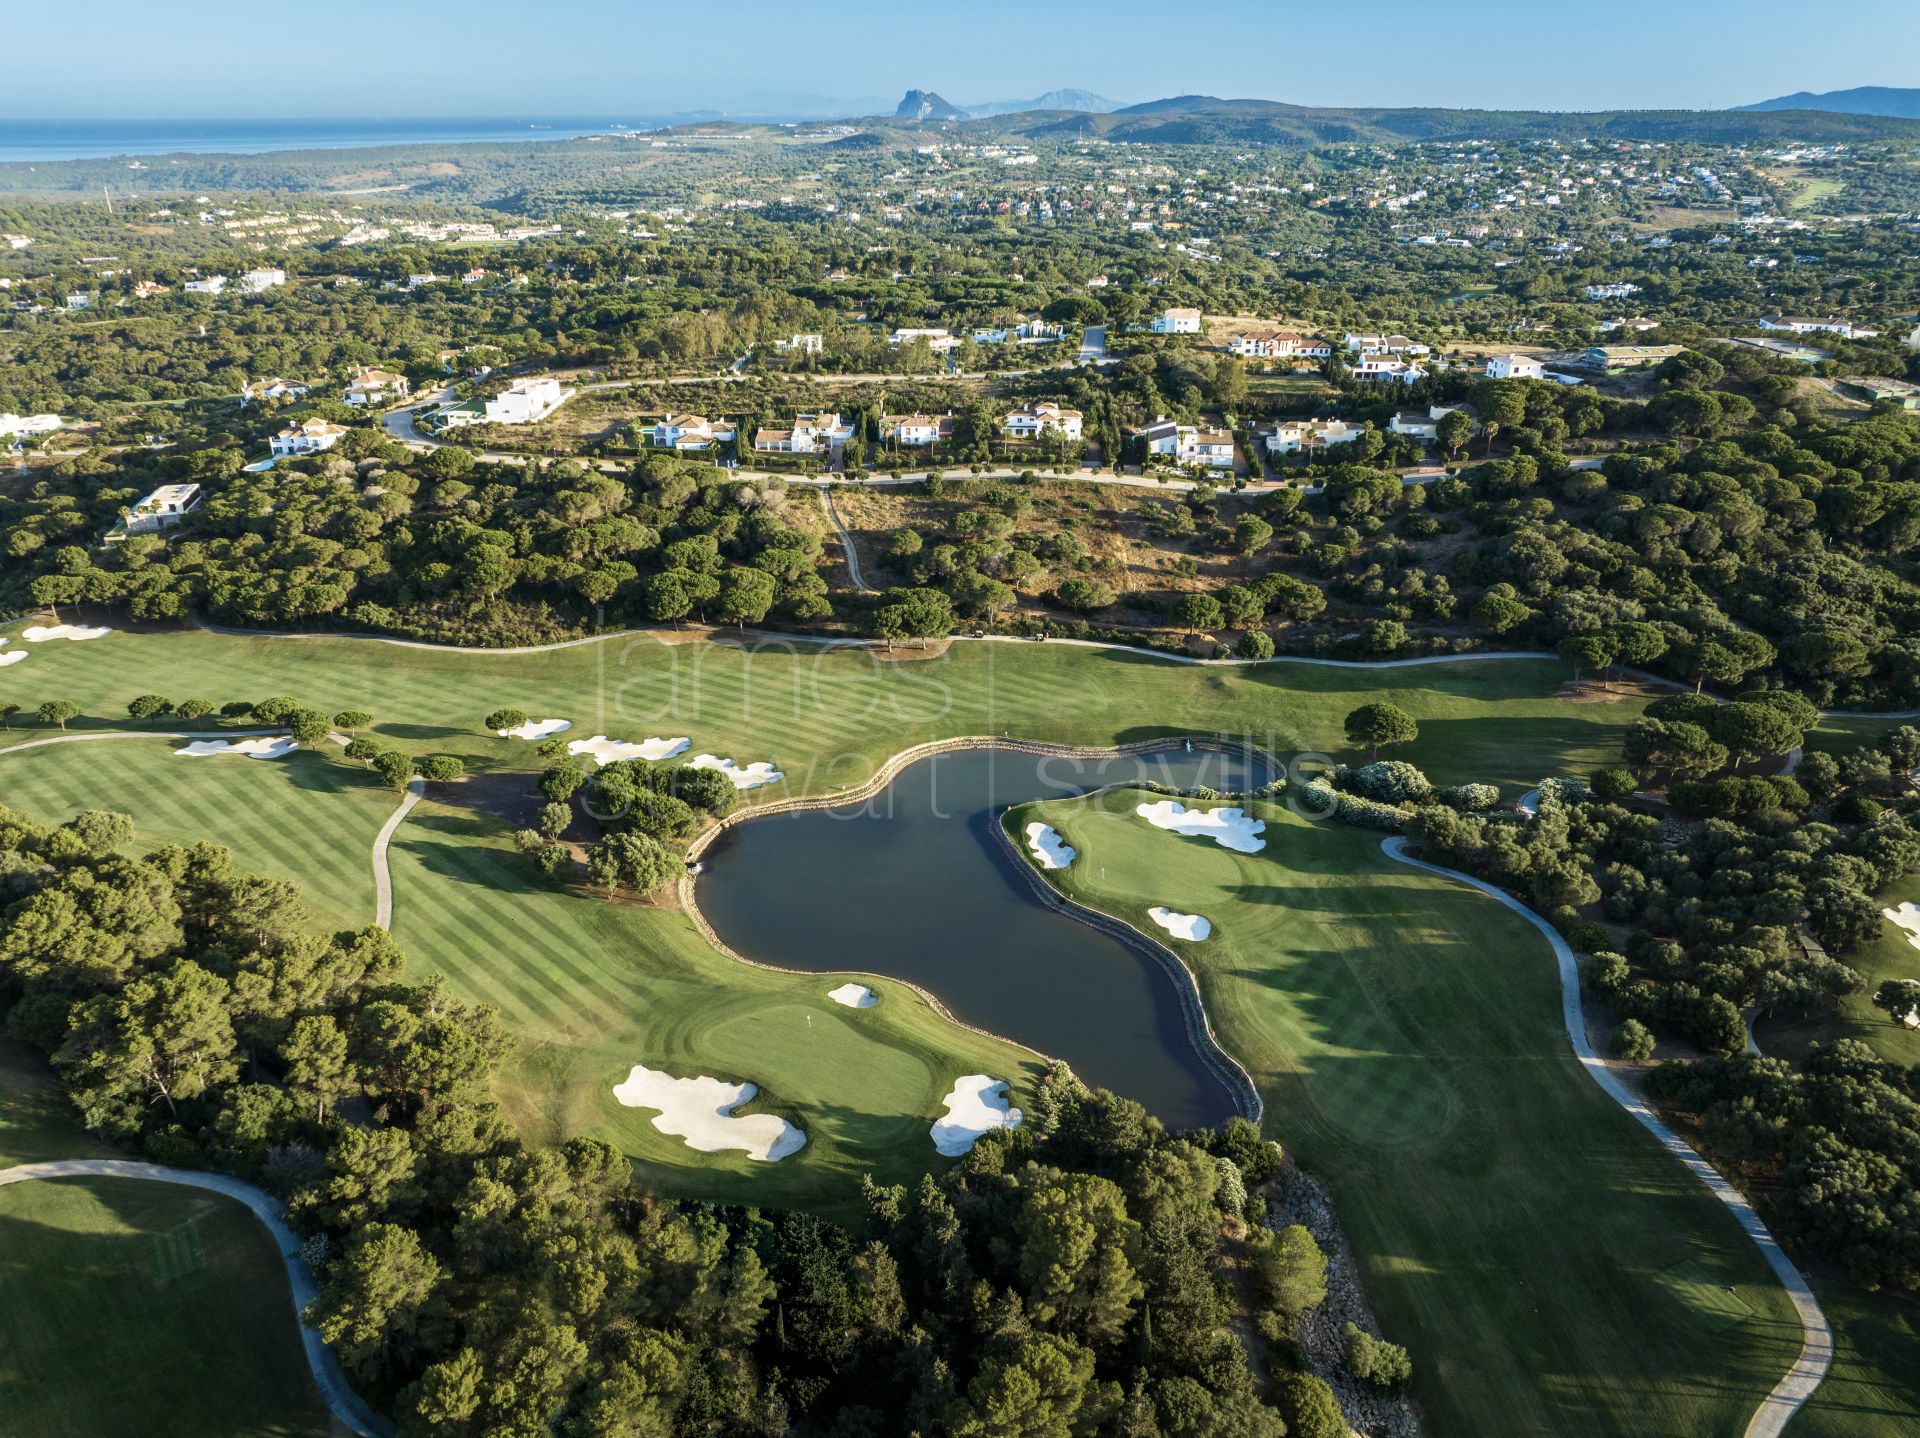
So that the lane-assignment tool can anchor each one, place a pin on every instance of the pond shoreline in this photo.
(1233, 1078)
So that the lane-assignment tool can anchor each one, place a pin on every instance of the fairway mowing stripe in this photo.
(483, 924)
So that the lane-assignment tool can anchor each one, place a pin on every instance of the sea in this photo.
(36, 141)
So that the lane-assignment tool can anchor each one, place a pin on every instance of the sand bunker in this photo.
(977, 1104)
(276, 747)
(700, 1110)
(13, 658)
(39, 633)
(1906, 916)
(854, 996)
(1181, 926)
(1048, 848)
(535, 729)
(1229, 828)
(750, 777)
(611, 751)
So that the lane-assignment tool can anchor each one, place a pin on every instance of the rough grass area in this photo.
(1511, 1222)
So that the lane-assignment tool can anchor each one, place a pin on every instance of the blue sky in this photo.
(616, 58)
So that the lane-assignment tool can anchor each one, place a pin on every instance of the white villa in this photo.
(1372, 366)
(1176, 322)
(211, 285)
(1515, 367)
(1030, 423)
(687, 432)
(314, 436)
(1385, 345)
(1296, 436)
(527, 401)
(938, 340)
(254, 281)
(810, 434)
(915, 430)
(28, 424)
(1278, 344)
(162, 509)
(1617, 291)
(802, 344)
(1188, 444)
(369, 386)
(276, 388)
(1812, 325)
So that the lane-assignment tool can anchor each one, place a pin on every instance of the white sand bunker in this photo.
(612, 751)
(977, 1104)
(700, 1110)
(1048, 847)
(535, 729)
(1906, 916)
(39, 633)
(13, 658)
(277, 747)
(1181, 926)
(854, 996)
(1229, 828)
(752, 776)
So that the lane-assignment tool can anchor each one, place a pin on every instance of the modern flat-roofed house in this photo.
(1619, 357)
(370, 386)
(915, 430)
(254, 281)
(811, 433)
(164, 508)
(686, 432)
(23, 425)
(1616, 291)
(1515, 367)
(1814, 325)
(276, 388)
(526, 401)
(314, 436)
(209, 285)
(1031, 423)
(1385, 345)
(1176, 322)
(800, 344)
(1298, 436)
(1886, 391)
(1415, 424)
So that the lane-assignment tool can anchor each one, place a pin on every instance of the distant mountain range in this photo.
(926, 105)
(1863, 100)
(1210, 120)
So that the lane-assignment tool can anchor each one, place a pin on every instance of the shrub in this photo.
(1470, 798)
(1309, 1407)
(1632, 1040)
(1353, 809)
(1392, 781)
(1614, 782)
(1374, 1360)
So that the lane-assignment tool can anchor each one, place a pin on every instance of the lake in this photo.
(913, 883)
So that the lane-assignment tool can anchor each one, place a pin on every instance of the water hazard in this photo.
(913, 882)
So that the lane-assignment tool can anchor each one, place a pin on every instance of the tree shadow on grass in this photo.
(421, 731)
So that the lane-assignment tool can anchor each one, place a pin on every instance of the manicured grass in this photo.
(590, 988)
(1554, 1270)
(827, 715)
(129, 1307)
(307, 818)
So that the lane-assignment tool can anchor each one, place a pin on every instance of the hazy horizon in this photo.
(218, 59)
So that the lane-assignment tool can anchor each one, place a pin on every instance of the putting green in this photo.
(1406, 1035)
